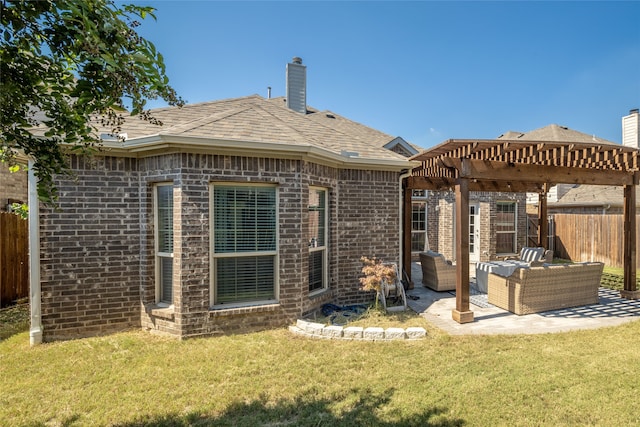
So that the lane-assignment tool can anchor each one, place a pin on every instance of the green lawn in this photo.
(613, 278)
(13, 320)
(276, 378)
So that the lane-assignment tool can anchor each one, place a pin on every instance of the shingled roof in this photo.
(577, 195)
(254, 119)
(554, 132)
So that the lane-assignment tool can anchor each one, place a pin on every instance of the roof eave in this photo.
(162, 143)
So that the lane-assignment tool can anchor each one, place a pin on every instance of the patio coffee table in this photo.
(501, 268)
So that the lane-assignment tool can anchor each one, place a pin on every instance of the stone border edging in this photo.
(357, 333)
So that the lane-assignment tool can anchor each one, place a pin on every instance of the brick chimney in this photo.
(297, 86)
(630, 125)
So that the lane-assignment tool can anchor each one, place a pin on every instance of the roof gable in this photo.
(402, 147)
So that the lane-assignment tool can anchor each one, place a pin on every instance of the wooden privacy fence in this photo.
(591, 237)
(14, 258)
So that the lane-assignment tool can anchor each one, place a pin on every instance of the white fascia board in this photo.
(155, 144)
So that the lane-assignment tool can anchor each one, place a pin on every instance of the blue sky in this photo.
(424, 70)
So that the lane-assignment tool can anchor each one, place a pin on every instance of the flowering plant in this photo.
(375, 273)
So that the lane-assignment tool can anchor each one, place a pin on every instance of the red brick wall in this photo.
(13, 186)
(367, 225)
(90, 251)
(98, 250)
(444, 222)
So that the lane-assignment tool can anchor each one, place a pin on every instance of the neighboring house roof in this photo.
(590, 195)
(577, 195)
(593, 196)
(254, 119)
(554, 132)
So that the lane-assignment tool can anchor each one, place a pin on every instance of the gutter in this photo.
(35, 331)
(164, 143)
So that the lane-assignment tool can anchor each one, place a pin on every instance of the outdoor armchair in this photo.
(437, 273)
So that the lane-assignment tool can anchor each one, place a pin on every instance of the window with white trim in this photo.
(419, 221)
(163, 202)
(506, 216)
(317, 239)
(244, 244)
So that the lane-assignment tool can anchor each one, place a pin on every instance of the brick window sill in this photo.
(161, 312)
(222, 312)
(321, 293)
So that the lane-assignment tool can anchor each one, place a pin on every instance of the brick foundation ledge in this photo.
(356, 333)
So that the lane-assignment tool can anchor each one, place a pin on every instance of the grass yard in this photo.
(276, 378)
(13, 320)
(613, 278)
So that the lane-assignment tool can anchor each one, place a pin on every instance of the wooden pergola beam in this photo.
(489, 170)
(447, 184)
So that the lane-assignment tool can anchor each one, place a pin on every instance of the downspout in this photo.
(35, 332)
(401, 218)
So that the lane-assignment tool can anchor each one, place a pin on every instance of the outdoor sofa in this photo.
(437, 273)
(546, 287)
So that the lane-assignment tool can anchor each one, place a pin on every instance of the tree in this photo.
(67, 67)
(376, 273)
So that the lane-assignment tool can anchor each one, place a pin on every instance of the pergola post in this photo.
(406, 231)
(461, 313)
(543, 223)
(629, 245)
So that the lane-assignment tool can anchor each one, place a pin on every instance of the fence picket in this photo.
(592, 237)
(14, 258)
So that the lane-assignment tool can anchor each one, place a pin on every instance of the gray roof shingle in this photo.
(556, 133)
(256, 119)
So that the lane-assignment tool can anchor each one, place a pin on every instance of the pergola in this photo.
(465, 165)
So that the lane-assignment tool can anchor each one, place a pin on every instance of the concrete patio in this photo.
(436, 308)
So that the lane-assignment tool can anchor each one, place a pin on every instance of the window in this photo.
(506, 227)
(163, 196)
(244, 244)
(418, 226)
(419, 241)
(317, 238)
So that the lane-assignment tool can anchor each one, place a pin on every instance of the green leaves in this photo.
(65, 67)
(20, 209)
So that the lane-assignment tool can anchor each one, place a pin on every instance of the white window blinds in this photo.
(245, 219)
(164, 243)
(317, 239)
(244, 243)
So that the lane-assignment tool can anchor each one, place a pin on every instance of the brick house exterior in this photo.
(487, 204)
(103, 266)
(439, 209)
